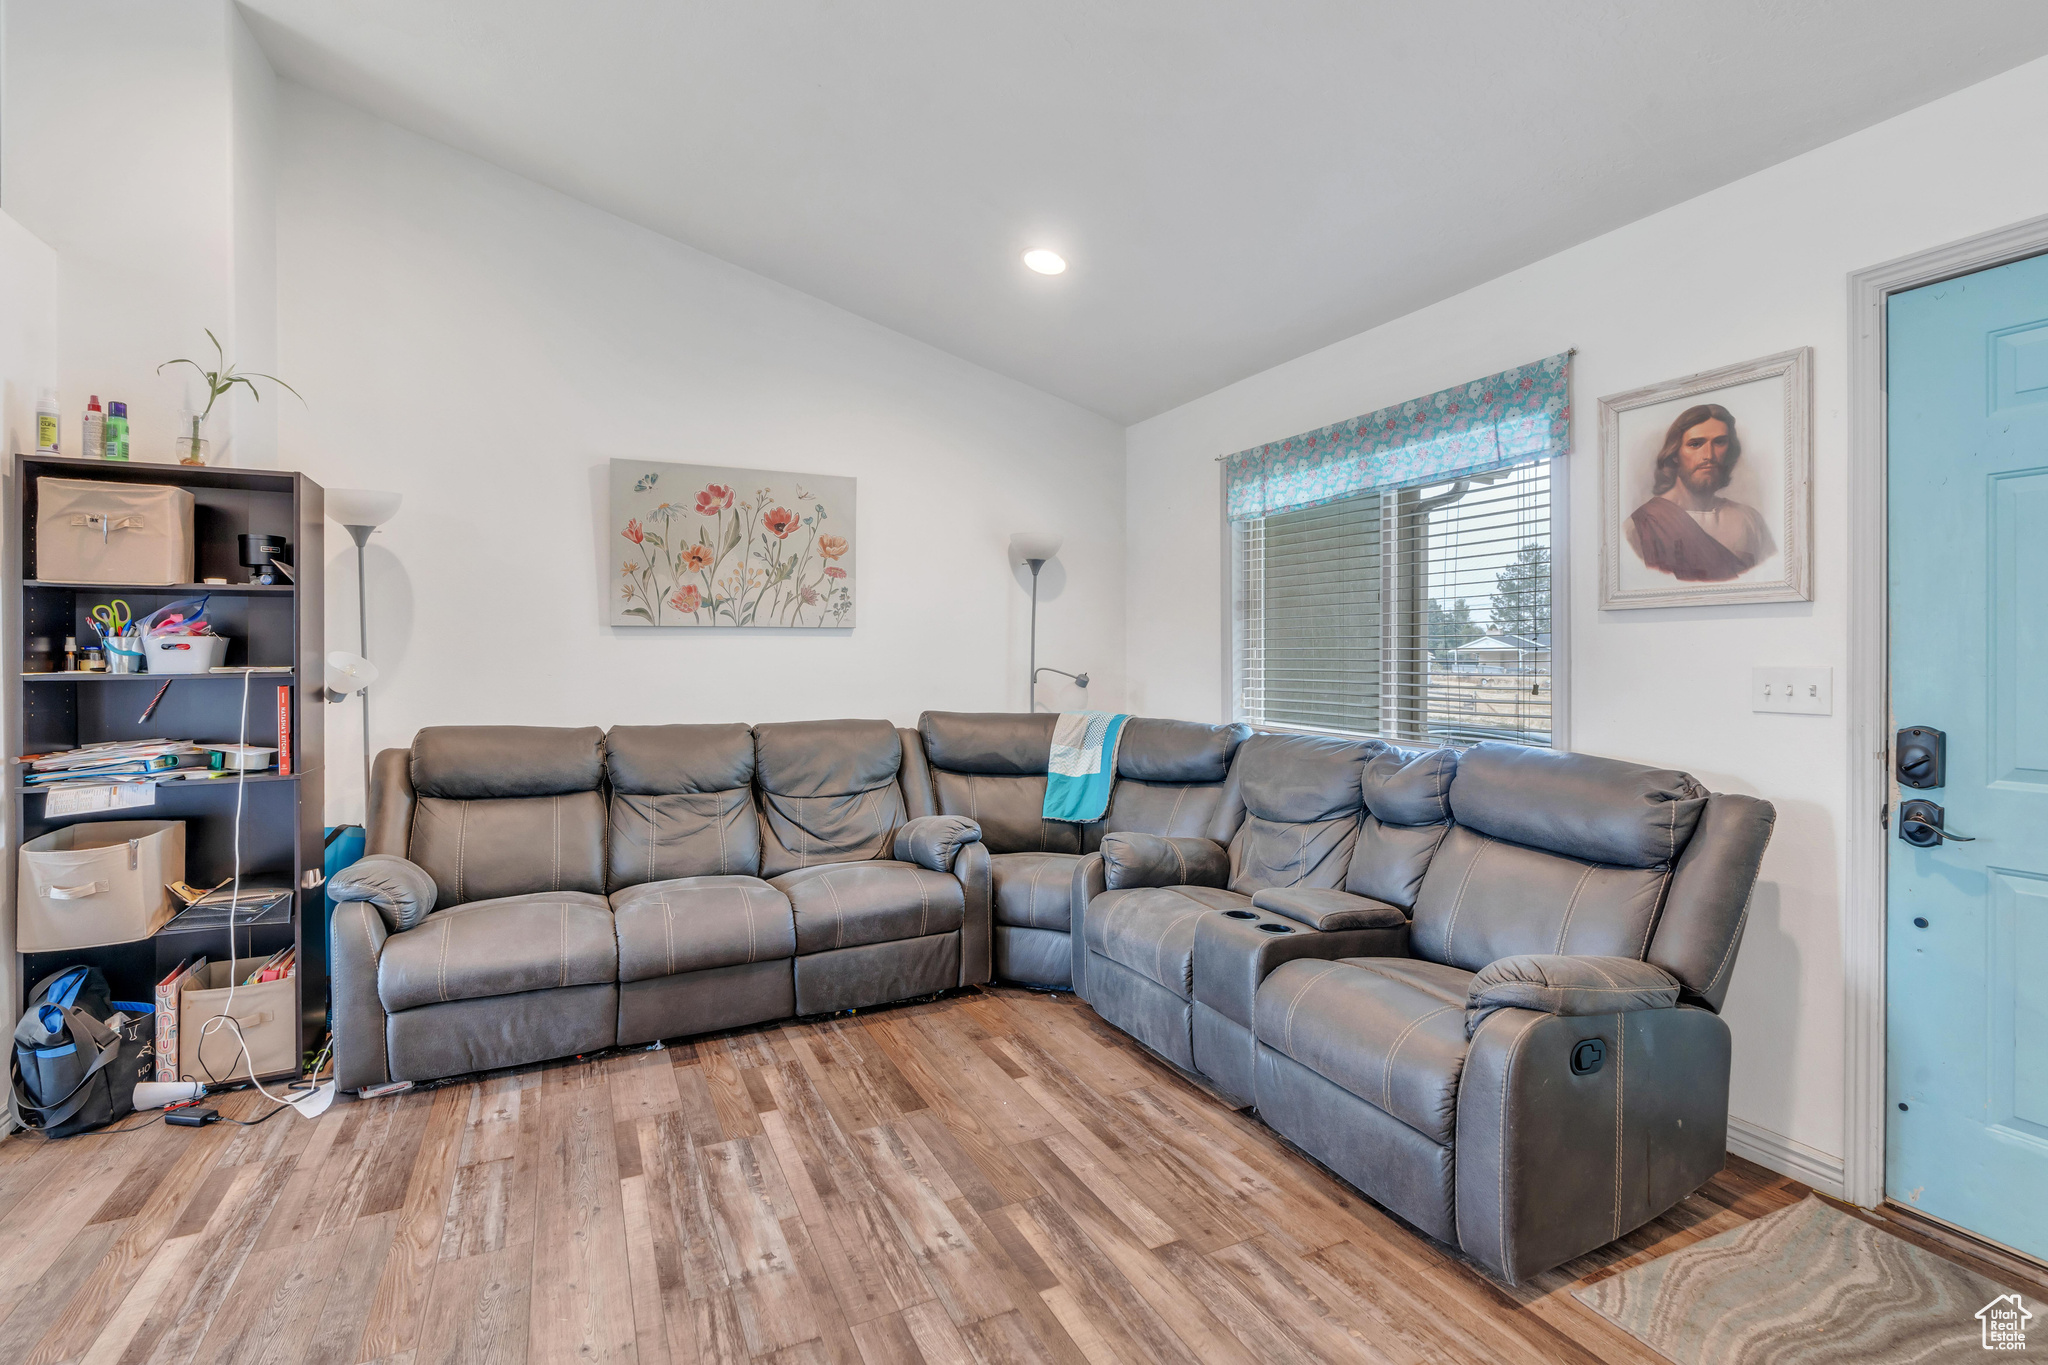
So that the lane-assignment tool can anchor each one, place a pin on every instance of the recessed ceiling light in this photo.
(1045, 262)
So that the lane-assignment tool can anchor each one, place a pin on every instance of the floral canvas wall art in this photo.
(709, 545)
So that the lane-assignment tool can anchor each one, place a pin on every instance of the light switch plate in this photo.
(1799, 691)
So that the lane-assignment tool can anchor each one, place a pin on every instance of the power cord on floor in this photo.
(226, 1019)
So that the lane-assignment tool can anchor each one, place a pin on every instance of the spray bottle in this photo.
(92, 431)
(117, 431)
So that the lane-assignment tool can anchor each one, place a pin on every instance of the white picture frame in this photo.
(1684, 525)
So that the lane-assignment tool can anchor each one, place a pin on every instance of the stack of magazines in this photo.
(258, 904)
(137, 760)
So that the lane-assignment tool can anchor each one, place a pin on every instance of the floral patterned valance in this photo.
(1519, 414)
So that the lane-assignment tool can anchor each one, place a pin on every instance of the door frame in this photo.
(1870, 724)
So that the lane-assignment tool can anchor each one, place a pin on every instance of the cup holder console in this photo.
(1239, 914)
(1275, 929)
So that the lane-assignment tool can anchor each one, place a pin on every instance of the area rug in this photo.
(1810, 1285)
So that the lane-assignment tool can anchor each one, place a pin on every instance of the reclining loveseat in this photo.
(532, 893)
(1481, 987)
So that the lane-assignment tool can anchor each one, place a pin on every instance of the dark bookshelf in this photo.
(274, 627)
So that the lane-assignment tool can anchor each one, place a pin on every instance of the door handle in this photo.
(1923, 824)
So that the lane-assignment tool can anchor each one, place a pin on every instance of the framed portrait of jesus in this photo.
(1705, 487)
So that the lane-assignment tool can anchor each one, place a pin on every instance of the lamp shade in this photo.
(362, 506)
(1026, 546)
(348, 673)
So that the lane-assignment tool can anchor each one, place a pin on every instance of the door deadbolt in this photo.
(1923, 824)
(1920, 757)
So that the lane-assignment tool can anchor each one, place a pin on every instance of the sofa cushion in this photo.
(1151, 930)
(1009, 808)
(1485, 899)
(1389, 1030)
(1303, 796)
(1389, 862)
(487, 762)
(658, 760)
(1303, 779)
(1600, 810)
(845, 904)
(1269, 853)
(1034, 890)
(690, 924)
(484, 849)
(1410, 786)
(1000, 743)
(1130, 859)
(828, 792)
(1173, 810)
(500, 947)
(686, 834)
(826, 757)
(1177, 751)
(682, 802)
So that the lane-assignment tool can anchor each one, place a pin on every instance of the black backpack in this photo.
(78, 1053)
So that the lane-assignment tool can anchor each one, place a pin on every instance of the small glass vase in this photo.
(190, 448)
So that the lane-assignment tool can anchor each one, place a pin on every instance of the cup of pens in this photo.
(120, 637)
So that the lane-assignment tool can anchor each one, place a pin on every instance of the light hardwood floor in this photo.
(993, 1177)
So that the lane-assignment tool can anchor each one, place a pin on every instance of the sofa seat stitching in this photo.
(1387, 1068)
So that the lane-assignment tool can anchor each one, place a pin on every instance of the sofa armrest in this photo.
(1563, 1146)
(977, 931)
(361, 1049)
(1570, 986)
(932, 841)
(1132, 860)
(1329, 910)
(402, 891)
(387, 824)
(1091, 879)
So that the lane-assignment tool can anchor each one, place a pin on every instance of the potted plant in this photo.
(192, 449)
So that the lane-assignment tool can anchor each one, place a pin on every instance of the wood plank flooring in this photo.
(994, 1177)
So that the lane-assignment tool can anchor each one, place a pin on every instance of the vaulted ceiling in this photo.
(1233, 184)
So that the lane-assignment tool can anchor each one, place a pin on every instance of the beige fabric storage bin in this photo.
(265, 1013)
(102, 882)
(98, 531)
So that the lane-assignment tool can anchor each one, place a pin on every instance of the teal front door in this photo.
(1967, 922)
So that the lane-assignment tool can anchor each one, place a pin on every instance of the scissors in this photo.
(113, 618)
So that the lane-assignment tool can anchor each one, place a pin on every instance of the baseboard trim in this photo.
(1776, 1152)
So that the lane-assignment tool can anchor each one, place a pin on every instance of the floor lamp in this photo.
(1034, 549)
(360, 511)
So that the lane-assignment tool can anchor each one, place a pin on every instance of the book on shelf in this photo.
(276, 967)
(284, 731)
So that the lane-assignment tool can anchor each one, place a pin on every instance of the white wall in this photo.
(120, 146)
(1755, 267)
(483, 346)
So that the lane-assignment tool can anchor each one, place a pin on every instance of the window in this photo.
(1421, 613)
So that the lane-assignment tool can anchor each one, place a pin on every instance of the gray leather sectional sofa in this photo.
(1482, 986)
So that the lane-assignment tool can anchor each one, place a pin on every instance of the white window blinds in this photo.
(1421, 613)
